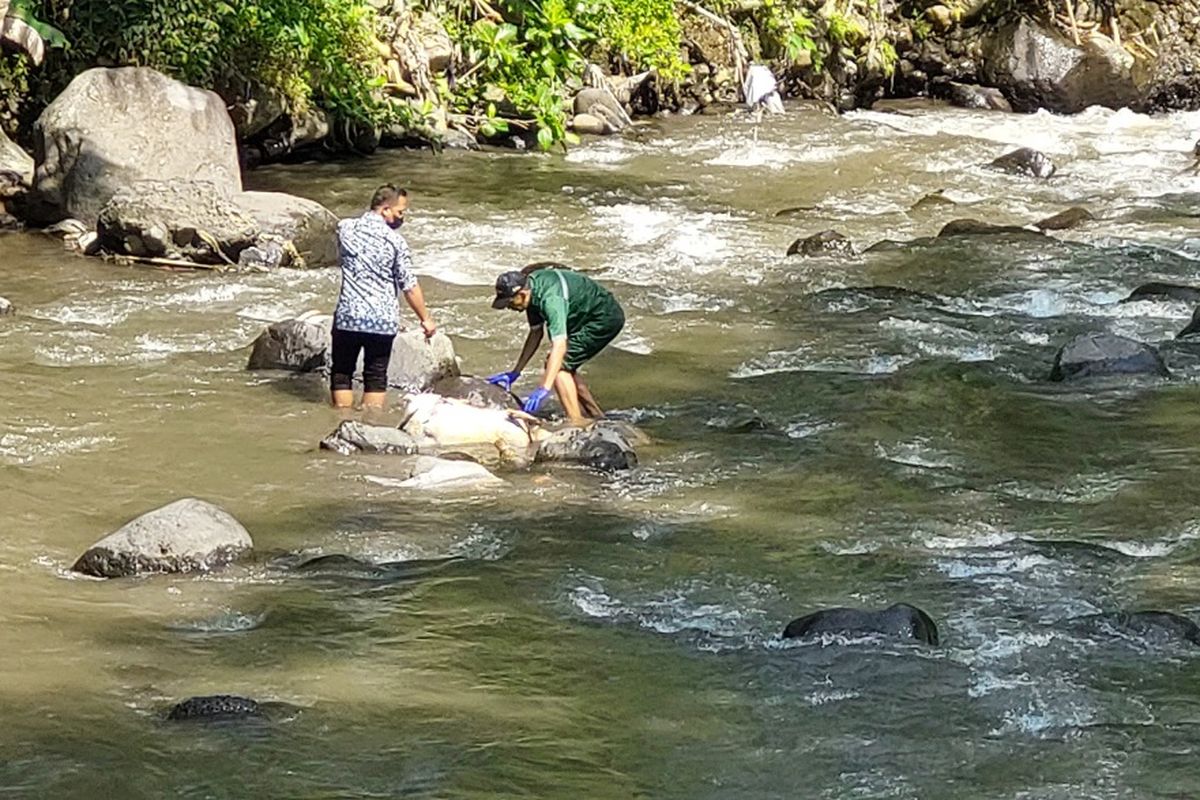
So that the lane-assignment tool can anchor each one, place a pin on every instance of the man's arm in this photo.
(406, 283)
(558, 351)
(416, 301)
(532, 342)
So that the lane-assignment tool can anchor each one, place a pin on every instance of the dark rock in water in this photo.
(900, 620)
(885, 294)
(892, 246)
(1156, 627)
(603, 445)
(215, 708)
(795, 211)
(1065, 220)
(476, 391)
(1164, 291)
(967, 95)
(355, 437)
(184, 536)
(294, 344)
(932, 200)
(1091, 355)
(973, 227)
(823, 243)
(1026, 161)
(1192, 328)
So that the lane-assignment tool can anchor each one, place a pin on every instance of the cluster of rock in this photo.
(169, 191)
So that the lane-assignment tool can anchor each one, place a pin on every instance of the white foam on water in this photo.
(603, 153)
(804, 429)
(997, 566)
(982, 535)
(917, 453)
(761, 154)
(853, 549)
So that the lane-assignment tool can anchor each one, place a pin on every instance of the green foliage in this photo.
(885, 54)
(800, 39)
(14, 89)
(24, 10)
(307, 51)
(644, 33)
(844, 29)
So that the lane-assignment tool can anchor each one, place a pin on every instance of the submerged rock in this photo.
(603, 445)
(1026, 161)
(1065, 220)
(1091, 355)
(931, 201)
(1153, 627)
(111, 128)
(901, 621)
(973, 227)
(823, 243)
(1192, 328)
(184, 536)
(215, 708)
(965, 95)
(1164, 291)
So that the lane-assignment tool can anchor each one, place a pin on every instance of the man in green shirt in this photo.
(581, 317)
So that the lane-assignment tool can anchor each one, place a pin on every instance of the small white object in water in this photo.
(759, 90)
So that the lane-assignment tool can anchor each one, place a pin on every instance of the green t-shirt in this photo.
(565, 301)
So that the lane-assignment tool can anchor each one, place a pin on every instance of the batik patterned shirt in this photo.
(376, 267)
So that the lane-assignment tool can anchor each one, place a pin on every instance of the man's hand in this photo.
(429, 326)
(504, 380)
(535, 400)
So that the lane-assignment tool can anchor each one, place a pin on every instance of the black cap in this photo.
(507, 285)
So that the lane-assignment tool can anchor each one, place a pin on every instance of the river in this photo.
(616, 636)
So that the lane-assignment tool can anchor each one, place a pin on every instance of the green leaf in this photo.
(545, 138)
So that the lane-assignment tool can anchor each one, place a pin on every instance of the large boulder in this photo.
(308, 225)
(1037, 67)
(304, 344)
(113, 127)
(900, 621)
(194, 221)
(200, 222)
(184, 536)
(602, 445)
(1092, 355)
(16, 166)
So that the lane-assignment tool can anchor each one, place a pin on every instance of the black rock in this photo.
(1091, 355)
(900, 620)
(213, 708)
(823, 243)
(1192, 328)
(1065, 220)
(1152, 626)
(1026, 161)
(973, 227)
(1164, 291)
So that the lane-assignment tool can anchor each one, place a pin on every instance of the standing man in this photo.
(376, 269)
(581, 316)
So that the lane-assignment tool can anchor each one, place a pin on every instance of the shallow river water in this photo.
(616, 636)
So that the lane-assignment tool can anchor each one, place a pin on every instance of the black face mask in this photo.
(396, 223)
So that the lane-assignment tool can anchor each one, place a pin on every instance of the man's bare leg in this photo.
(342, 398)
(564, 387)
(375, 400)
(586, 401)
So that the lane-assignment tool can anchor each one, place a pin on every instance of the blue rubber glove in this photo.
(504, 380)
(535, 400)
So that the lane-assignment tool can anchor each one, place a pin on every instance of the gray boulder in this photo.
(965, 95)
(308, 225)
(1037, 67)
(823, 243)
(299, 345)
(1026, 161)
(973, 227)
(900, 621)
(1151, 627)
(184, 536)
(601, 104)
(196, 221)
(16, 166)
(355, 437)
(111, 128)
(1092, 355)
(303, 345)
(603, 445)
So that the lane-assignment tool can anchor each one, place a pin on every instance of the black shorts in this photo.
(377, 352)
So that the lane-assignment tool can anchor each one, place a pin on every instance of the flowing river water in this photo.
(617, 636)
